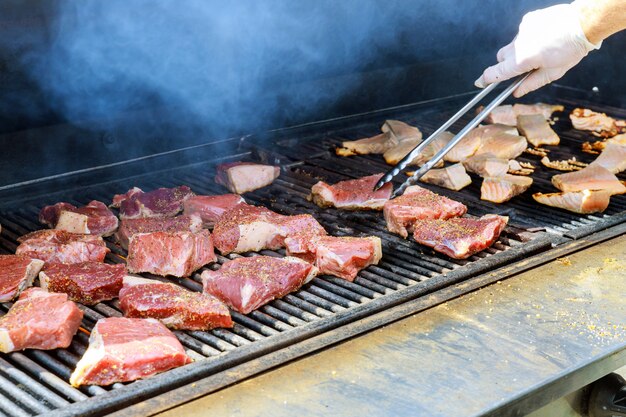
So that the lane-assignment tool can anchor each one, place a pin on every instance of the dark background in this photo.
(92, 82)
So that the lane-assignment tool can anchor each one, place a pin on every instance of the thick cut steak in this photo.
(86, 282)
(176, 253)
(172, 305)
(39, 320)
(17, 273)
(63, 247)
(459, 238)
(241, 177)
(162, 202)
(355, 194)
(94, 219)
(211, 207)
(123, 349)
(246, 284)
(129, 227)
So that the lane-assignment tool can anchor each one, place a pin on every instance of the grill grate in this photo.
(35, 382)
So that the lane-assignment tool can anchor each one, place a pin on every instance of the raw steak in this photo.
(352, 194)
(39, 320)
(17, 273)
(418, 203)
(452, 177)
(583, 202)
(162, 202)
(129, 227)
(248, 228)
(122, 349)
(503, 188)
(241, 177)
(246, 284)
(61, 246)
(86, 282)
(593, 177)
(342, 257)
(459, 238)
(172, 305)
(170, 253)
(211, 207)
(537, 130)
(95, 218)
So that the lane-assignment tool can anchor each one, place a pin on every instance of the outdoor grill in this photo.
(34, 382)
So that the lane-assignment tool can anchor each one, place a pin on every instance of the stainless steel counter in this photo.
(558, 326)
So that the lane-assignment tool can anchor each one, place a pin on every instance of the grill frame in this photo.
(430, 291)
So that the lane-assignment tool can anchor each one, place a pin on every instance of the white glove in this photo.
(549, 40)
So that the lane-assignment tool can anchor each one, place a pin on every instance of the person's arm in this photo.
(553, 40)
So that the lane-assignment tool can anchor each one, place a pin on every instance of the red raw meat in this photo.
(248, 228)
(86, 282)
(352, 194)
(342, 257)
(122, 349)
(211, 207)
(175, 253)
(162, 202)
(17, 273)
(418, 203)
(241, 177)
(95, 218)
(172, 305)
(460, 238)
(39, 320)
(62, 247)
(129, 227)
(246, 284)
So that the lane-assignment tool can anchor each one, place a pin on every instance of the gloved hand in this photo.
(549, 40)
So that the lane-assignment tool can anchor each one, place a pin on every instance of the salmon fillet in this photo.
(593, 177)
(583, 202)
(504, 188)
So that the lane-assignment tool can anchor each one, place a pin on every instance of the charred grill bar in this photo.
(35, 382)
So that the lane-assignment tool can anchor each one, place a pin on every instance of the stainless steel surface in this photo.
(516, 343)
(457, 138)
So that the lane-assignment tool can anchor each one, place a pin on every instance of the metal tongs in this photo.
(439, 155)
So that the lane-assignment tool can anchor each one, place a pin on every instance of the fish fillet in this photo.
(583, 202)
(486, 165)
(503, 145)
(537, 130)
(613, 158)
(393, 156)
(594, 177)
(504, 188)
(598, 123)
(507, 114)
(394, 132)
(453, 177)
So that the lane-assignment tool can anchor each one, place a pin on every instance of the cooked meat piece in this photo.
(248, 228)
(537, 130)
(39, 320)
(452, 177)
(418, 203)
(356, 194)
(507, 114)
(172, 305)
(394, 133)
(162, 202)
(465, 148)
(211, 207)
(504, 145)
(583, 202)
(129, 227)
(17, 273)
(594, 177)
(341, 257)
(459, 238)
(613, 158)
(86, 282)
(122, 349)
(242, 177)
(486, 165)
(598, 146)
(60, 246)
(95, 218)
(246, 284)
(170, 253)
(504, 188)
(393, 156)
(598, 123)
